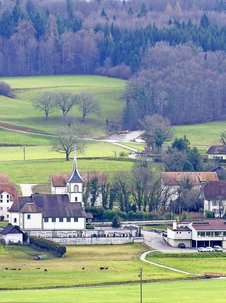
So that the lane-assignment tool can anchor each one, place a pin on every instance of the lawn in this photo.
(192, 262)
(20, 111)
(177, 292)
(38, 171)
(122, 261)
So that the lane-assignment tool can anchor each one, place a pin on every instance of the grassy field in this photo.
(19, 111)
(202, 135)
(38, 171)
(196, 262)
(92, 149)
(177, 292)
(122, 261)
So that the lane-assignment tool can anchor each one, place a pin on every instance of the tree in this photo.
(66, 139)
(87, 105)
(122, 190)
(45, 103)
(116, 222)
(157, 130)
(65, 101)
(223, 137)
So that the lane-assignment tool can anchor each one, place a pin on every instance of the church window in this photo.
(61, 219)
(76, 188)
(76, 199)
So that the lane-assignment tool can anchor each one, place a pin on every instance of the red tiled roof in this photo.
(55, 206)
(30, 208)
(215, 189)
(10, 189)
(59, 180)
(217, 149)
(196, 178)
(210, 225)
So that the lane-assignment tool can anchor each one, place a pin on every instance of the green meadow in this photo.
(80, 267)
(177, 292)
(20, 111)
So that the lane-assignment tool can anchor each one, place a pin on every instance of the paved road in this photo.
(143, 258)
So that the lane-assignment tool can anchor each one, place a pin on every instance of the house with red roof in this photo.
(214, 196)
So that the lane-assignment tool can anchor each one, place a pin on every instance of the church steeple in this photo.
(75, 176)
(75, 184)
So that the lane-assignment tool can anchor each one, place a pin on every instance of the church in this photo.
(61, 210)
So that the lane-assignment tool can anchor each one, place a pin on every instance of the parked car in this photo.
(209, 249)
(218, 248)
(201, 249)
(181, 245)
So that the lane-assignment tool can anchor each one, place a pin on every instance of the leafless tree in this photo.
(87, 105)
(157, 130)
(65, 101)
(45, 103)
(66, 139)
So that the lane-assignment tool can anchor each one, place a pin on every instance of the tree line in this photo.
(100, 36)
(182, 83)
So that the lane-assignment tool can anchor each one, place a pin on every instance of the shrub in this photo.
(56, 248)
(209, 214)
(116, 222)
(6, 90)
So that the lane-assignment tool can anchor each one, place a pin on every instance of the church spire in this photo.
(75, 176)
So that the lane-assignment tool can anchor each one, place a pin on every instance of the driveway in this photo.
(155, 241)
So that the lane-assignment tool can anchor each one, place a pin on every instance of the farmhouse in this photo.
(8, 195)
(214, 196)
(197, 234)
(217, 152)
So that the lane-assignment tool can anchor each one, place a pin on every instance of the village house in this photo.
(8, 194)
(216, 152)
(171, 182)
(198, 233)
(214, 197)
(12, 235)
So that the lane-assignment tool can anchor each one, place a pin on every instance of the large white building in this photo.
(198, 233)
(59, 211)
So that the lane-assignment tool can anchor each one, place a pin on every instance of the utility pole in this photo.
(141, 281)
(24, 153)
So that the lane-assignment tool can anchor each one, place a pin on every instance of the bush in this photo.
(116, 222)
(56, 248)
(209, 214)
(6, 90)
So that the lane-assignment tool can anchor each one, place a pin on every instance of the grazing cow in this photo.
(102, 268)
(45, 269)
(106, 268)
(83, 268)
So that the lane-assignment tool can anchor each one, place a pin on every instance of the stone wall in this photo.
(88, 237)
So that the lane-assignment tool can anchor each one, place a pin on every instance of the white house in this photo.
(8, 195)
(216, 152)
(198, 233)
(214, 196)
(12, 235)
(61, 211)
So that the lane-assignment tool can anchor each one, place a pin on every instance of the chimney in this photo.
(174, 225)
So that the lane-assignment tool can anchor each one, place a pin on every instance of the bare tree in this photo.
(157, 130)
(45, 103)
(65, 101)
(87, 105)
(66, 139)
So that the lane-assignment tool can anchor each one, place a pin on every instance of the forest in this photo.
(172, 52)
